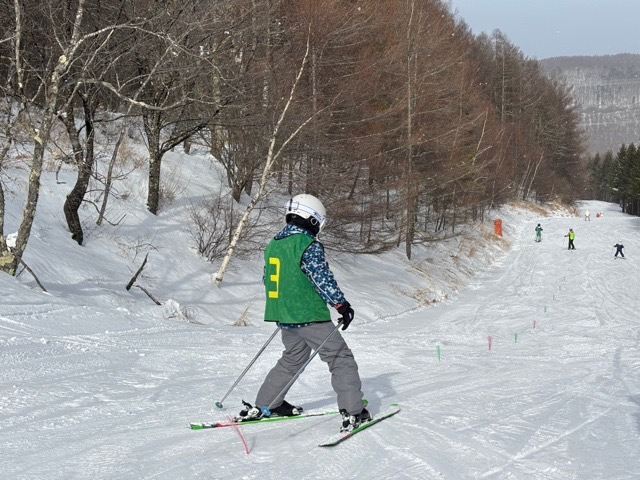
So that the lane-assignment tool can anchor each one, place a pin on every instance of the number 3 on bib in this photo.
(275, 278)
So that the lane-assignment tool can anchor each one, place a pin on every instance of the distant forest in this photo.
(392, 112)
(606, 90)
(614, 65)
(614, 175)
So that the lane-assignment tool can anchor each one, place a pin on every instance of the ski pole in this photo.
(219, 403)
(295, 377)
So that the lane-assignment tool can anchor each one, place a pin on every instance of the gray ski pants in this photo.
(298, 343)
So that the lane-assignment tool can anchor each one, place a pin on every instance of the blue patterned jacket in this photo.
(315, 267)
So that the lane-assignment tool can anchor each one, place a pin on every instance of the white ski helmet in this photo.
(308, 207)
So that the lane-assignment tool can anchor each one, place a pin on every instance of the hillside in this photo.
(607, 92)
(100, 383)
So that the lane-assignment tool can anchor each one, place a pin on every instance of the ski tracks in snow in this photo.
(560, 401)
(537, 409)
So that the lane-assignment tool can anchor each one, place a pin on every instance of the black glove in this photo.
(347, 314)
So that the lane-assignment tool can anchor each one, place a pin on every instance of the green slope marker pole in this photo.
(438, 351)
(515, 338)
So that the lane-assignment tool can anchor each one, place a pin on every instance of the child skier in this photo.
(299, 284)
(538, 233)
(572, 237)
(619, 248)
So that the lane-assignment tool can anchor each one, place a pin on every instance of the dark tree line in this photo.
(402, 121)
(616, 178)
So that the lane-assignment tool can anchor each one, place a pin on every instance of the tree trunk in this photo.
(152, 128)
(153, 196)
(11, 121)
(410, 200)
(311, 180)
(290, 176)
(453, 220)
(107, 183)
(84, 161)
(41, 138)
(3, 243)
(236, 191)
(6, 257)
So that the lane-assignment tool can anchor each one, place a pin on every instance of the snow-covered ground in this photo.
(99, 383)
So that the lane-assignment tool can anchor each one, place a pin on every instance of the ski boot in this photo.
(351, 422)
(251, 412)
(285, 409)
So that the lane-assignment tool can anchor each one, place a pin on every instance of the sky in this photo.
(552, 28)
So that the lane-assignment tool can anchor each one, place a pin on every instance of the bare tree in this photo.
(47, 87)
(176, 103)
(272, 156)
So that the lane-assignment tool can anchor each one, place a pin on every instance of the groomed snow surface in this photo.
(99, 383)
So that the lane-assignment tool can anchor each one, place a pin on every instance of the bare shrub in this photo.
(128, 157)
(210, 226)
(171, 186)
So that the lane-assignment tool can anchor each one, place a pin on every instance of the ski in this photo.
(206, 425)
(337, 439)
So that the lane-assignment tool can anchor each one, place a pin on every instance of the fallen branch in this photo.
(149, 295)
(135, 277)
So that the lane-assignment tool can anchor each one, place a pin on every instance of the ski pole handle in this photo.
(219, 403)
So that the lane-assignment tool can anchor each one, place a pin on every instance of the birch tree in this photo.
(272, 155)
(48, 87)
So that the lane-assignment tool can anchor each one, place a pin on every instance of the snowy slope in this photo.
(99, 383)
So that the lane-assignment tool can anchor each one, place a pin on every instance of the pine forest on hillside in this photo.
(606, 90)
(393, 112)
(616, 178)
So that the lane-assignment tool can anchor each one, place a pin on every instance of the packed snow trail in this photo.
(559, 401)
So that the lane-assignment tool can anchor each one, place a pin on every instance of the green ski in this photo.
(205, 425)
(335, 440)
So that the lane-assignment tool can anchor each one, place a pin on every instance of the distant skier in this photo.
(587, 216)
(538, 233)
(299, 284)
(572, 237)
(619, 248)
